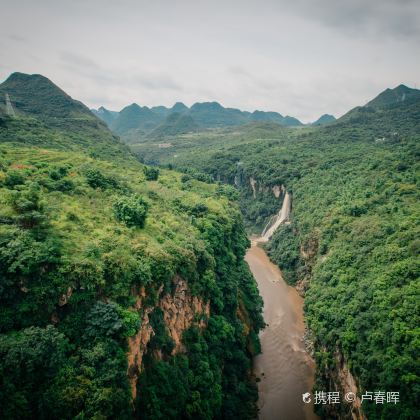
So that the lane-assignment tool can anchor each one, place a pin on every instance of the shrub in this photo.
(96, 179)
(14, 178)
(28, 206)
(228, 191)
(104, 321)
(131, 210)
(185, 178)
(58, 173)
(152, 174)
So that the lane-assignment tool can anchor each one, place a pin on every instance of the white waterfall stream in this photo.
(282, 216)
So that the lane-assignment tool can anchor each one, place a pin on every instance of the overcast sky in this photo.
(300, 57)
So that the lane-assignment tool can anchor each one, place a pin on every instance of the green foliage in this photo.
(103, 321)
(151, 174)
(79, 267)
(90, 384)
(111, 320)
(14, 178)
(213, 381)
(175, 123)
(28, 206)
(48, 117)
(191, 173)
(131, 210)
(284, 250)
(354, 185)
(30, 360)
(96, 179)
(66, 259)
(228, 191)
(161, 340)
(58, 172)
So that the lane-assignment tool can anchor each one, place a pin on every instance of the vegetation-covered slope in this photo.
(394, 96)
(175, 123)
(353, 241)
(105, 115)
(135, 118)
(89, 249)
(47, 117)
(324, 119)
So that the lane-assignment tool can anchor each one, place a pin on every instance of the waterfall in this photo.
(281, 217)
(9, 107)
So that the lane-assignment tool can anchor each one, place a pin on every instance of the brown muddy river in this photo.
(284, 367)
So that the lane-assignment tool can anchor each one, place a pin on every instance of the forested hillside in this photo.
(352, 246)
(123, 288)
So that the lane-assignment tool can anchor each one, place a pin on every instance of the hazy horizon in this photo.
(302, 59)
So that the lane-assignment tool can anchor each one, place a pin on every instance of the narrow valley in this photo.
(284, 368)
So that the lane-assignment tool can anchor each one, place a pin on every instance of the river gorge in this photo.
(284, 368)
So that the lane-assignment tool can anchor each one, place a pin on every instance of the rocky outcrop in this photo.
(259, 187)
(137, 345)
(180, 310)
(339, 378)
(277, 190)
(347, 383)
(64, 298)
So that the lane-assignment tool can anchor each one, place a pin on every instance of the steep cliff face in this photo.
(339, 378)
(347, 384)
(180, 310)
(277, 190)
(259, 187)
(137, 346)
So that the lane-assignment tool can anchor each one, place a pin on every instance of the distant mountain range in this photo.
(135, 120)
(35, 95)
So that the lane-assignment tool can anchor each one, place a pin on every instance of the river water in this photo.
(285, 369)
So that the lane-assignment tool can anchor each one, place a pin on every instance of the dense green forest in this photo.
(353, 242)
(86, 233)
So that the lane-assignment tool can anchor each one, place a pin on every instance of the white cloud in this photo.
(301, 58)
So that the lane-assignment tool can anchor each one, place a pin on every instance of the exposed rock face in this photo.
(308, 252)
(65, 297)
(347, 383)
(260, 187)
(302, 286)
(180, 311)
(137, 345)
(277, 190)
(340, 379)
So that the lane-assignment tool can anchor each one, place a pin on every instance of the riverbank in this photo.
(284, 368)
